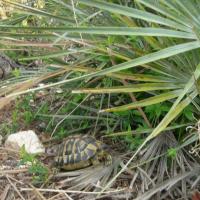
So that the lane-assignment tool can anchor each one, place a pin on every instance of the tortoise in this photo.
(80, 151)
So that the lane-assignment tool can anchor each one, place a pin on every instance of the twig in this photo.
(67, 196)
(15, 188)
(12, 178)
(98, 116)
(13, 171)
(133, 98)
(38, 194)
(5, 192)
(73, 191)
(57, 195)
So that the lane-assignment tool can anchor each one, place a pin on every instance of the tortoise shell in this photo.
(79, 152)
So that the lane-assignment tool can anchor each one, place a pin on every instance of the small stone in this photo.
(28, 138)
(41, 85)
(59, 91)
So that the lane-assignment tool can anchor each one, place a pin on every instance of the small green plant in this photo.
(25, 103)
(28, 117)
(62, 133)
(16, 72)
(133, 141)
(27, 113)
(172, 152)
(26, 157)
(40, 173)
(36, 168)
(5, 129)
(156, 111)
(188, 113)
(22, 114)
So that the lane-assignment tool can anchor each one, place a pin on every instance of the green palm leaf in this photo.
(146, 102)
(130, 88)
(111, 31)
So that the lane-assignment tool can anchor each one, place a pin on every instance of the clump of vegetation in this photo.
(38, 170)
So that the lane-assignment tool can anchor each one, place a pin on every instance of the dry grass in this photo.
(16, 182)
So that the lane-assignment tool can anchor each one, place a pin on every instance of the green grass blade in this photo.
(71, 117)
(141, 77)
(55, 54)
(111, 31)
(144, 131)
(131, 88)
(25, 35)
(146, 102)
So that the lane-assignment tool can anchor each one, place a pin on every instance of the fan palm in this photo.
(153, 44)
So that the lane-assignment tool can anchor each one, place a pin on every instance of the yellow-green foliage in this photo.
(6, 9)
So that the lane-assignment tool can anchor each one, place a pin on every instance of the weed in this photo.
(133, 141)
(188, 113)
(23, 111)
(5, 129)
(156, 111)
(37, 169)
(15, 125)
(62, 133)
(171, 153)
(16, 72)
(28, 117)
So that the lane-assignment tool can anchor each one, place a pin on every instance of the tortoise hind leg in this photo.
(102, 157)
(95, 161)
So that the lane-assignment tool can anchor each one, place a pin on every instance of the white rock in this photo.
(41, 85)
(59, 91)
(27, 138)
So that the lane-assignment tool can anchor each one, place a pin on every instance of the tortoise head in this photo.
(52, 150)
(102, 157)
